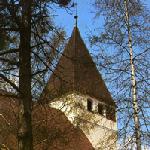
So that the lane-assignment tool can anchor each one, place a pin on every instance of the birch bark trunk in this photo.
(133, 81)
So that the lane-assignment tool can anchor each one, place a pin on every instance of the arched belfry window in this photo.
(89, 105)
(110, 113)
(100, 109)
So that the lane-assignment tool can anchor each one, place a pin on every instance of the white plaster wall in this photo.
(100, 131)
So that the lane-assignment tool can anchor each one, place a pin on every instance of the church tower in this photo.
(77, 89)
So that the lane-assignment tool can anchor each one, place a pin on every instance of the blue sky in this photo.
(86, 21)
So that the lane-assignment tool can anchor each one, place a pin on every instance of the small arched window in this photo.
(100, 109)
(89, 105)
(110, 113)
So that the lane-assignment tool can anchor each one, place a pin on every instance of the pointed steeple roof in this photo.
(76, 72)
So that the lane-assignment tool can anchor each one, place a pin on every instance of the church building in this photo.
(77, 89)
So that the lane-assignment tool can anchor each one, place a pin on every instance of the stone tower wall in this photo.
(101, 132)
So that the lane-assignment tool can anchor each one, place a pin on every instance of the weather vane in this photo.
(76, 14)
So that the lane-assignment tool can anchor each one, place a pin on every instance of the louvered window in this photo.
(100, 109)
(110, 113)
(89, 105)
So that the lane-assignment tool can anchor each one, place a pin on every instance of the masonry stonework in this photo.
(101, 132)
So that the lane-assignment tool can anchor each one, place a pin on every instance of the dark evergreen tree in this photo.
(26, 30)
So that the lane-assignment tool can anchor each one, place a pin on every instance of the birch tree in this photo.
(124, 47)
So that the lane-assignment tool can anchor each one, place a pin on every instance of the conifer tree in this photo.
(25, 26)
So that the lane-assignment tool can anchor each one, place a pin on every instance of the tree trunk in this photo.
(24, 118)
(133, 82)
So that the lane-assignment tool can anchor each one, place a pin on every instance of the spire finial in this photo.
(76, 20)
(76, 15)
